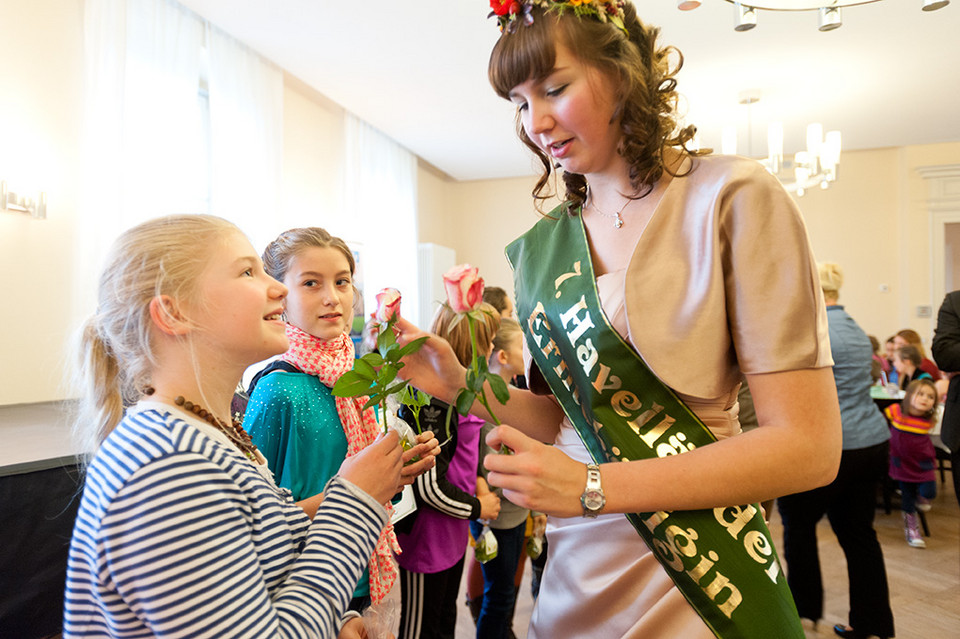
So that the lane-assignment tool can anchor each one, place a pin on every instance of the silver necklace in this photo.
(617, 220)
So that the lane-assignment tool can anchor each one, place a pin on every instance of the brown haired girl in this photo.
(663, 277)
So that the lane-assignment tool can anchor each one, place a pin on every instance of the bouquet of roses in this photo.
(375, 374)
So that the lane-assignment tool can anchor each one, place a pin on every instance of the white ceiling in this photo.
(417, 71)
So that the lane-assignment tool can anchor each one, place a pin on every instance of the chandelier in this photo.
(745, 12)
(816, 166)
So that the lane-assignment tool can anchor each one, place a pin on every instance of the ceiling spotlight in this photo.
(687, 5)
(932, 5)
(830, 18)
(746, 17)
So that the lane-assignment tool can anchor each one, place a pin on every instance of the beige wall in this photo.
(40, 111)
(874, 221)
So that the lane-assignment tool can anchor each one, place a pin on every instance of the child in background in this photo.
(305, 432)
(181, 529)
(912, 457)
(499, 595)
(906, 361)
(434, 538)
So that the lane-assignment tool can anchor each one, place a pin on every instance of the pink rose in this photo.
(464, 288)
(388, 305)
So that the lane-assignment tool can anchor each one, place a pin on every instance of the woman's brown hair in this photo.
(644, 75)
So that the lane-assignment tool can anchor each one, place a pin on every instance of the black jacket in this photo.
(946, 353)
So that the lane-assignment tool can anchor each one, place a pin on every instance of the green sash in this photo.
(722, 560)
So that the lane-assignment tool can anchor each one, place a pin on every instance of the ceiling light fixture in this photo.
(830, 19)
(746, 14)
(746, 17)
(818, 165)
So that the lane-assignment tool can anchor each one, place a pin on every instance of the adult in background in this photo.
(946, 352)
(849, 501)
(909, 337)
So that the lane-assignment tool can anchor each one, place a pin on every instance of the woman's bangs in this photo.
(517, 57)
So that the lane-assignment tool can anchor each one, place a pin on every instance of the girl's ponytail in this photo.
(101, 400)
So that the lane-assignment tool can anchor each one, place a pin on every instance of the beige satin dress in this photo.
(721, 281)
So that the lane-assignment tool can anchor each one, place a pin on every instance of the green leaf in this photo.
(396, 388)
(470, 381)
(465, 399)
(364, 369)
(351, 384)
(373, 401)
(499, 388)
(385, 339)
(388, 373)
(413, 346)
(374, 359)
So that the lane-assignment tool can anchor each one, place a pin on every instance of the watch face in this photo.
(593, 500)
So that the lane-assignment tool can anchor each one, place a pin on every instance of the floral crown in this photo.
(511, 13)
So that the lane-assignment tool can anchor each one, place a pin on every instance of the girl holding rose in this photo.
(664, 276)
(305, 432)
(182, 531)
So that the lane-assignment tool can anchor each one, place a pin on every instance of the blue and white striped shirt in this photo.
(178, 534)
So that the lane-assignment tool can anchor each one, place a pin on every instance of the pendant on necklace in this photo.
(619, 222)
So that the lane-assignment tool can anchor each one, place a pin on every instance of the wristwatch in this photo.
(592, 498)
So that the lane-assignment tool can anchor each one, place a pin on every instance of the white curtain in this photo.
(246, 132)
(154, 142)
(380, 198)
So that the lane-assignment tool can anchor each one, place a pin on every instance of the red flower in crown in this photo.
(503, 7)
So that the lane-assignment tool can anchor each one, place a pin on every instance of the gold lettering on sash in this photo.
(601, 382)
(682, 540)
(562, 372)
(741, 516)
(560, 280)
(653, 520)
(656, 432)
(703, 566)
(718, 585)
(588, 356)
(580, 325)
(664, 550)
(675, 445)
(537, 322)
(624, 403)
(761, 551)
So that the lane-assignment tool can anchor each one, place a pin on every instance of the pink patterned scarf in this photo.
(328, 360)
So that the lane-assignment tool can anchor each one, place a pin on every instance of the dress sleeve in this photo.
(181, 555)
(723, 282)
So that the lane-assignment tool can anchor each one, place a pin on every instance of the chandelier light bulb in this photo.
(687, 5)
(830, 18)
(746, 17)
(932, 5)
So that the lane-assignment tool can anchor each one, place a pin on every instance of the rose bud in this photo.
(464, 288)
(388, 305)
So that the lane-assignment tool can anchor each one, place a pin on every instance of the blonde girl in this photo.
(435, 538)
(181, 529)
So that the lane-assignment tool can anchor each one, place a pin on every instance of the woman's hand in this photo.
(489, 501)
(536, 476)
(376, 468)
(434, 368)
(427, 450)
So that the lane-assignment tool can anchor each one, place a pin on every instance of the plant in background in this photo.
(376, 373)
(464, 288)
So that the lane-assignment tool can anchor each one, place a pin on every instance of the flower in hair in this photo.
(510, 13)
